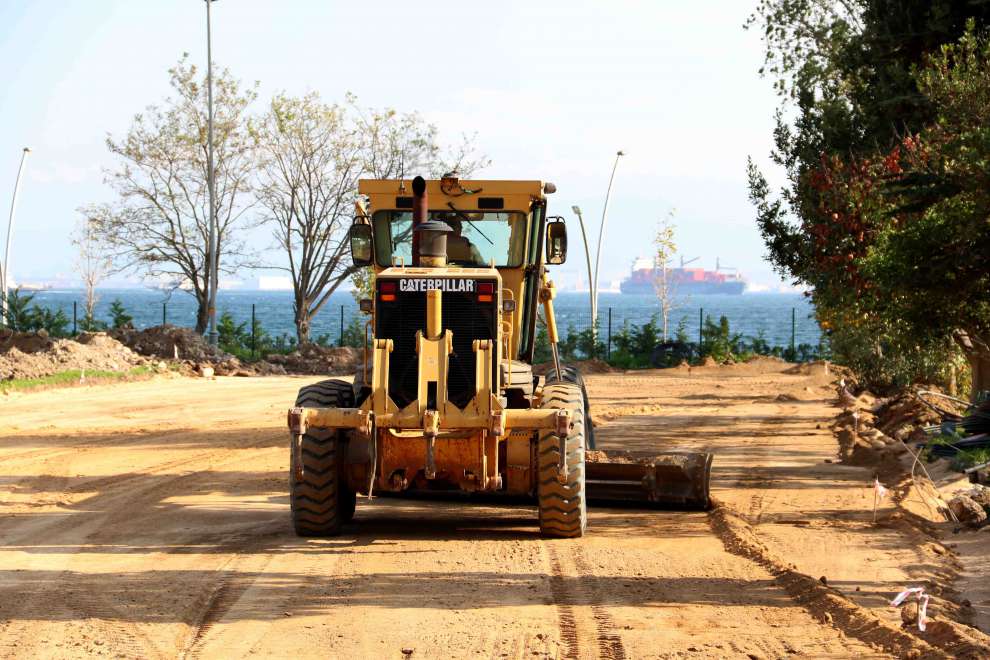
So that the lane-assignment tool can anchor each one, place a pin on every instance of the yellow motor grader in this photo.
(446, 399)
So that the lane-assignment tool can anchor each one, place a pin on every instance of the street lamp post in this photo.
(5, 270)
(598, 253)
(587, 257)
(214, 262)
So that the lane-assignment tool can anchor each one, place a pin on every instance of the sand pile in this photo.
(34, 355)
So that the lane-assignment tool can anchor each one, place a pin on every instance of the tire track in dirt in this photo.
(107, 441)
(94, 606)
(226, 591)
(566, 623)
(826, 605)
(598, 632)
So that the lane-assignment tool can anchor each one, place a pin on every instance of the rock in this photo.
(967, 510)
(980, 494)
(205, 371)
(909, 613)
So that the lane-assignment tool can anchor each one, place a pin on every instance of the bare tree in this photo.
(308, 179)
(400, 145)
(665, 249)
(93, 263)
(159, 226)
(313, 154)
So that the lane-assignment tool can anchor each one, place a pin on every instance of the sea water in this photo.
(749, 314)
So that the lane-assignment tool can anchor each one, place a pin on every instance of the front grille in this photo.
(462, 314)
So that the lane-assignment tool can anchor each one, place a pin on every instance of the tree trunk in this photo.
(202, 313)
(976, 348)
(980, 366)
(302, 326)
(90, 299)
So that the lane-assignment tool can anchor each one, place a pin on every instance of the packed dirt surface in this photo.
(150, 520)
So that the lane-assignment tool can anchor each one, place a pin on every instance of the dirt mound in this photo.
(902, 416)
(315, 359)
(35, 355)
(169, 342)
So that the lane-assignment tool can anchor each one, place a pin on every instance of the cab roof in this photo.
(465, 195)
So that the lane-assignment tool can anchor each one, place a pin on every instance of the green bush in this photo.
(119, 318)
(25, 317)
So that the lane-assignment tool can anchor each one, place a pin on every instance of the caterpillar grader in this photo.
(446, 398)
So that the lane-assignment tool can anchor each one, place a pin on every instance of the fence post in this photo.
(74, 330)
(341, 342)
(793, 332)
(701, 325)
(608, 346)
(164, 313)
(254, 334)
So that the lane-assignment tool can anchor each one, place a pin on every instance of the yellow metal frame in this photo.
(420, 436)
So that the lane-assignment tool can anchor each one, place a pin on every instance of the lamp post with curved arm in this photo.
(214, 262)
(5, 270)
(587, 256)
(598, 255)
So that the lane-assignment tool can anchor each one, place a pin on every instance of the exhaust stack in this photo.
(419, 214)
(429, 242)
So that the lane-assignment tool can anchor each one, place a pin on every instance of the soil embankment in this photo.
(150, 519)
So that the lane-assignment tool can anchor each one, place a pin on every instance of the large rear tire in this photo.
(563, 507)
(320, 498)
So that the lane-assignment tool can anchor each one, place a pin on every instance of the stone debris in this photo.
(170, 342)
(315, 359)
(968, 511)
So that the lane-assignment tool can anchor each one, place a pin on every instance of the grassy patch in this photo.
(74, 377)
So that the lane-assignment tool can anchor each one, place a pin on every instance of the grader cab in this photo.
(446, 398)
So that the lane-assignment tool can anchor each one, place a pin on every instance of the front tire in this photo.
(562, 507)
(320, 498)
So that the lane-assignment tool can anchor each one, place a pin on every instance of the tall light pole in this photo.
(587, 257)
(601, 237)
(214, 262)
(5, 270)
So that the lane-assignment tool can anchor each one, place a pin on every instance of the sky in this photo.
(551, 90)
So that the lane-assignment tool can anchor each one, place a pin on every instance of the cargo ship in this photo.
(683, 281)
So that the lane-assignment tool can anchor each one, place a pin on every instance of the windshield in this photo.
(478, 237)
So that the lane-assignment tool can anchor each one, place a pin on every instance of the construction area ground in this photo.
(150, 519)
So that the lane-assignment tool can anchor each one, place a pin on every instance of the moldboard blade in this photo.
(673, 479)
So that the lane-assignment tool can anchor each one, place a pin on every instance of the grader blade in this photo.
(671, 479)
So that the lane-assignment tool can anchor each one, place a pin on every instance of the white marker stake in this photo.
(879, 492)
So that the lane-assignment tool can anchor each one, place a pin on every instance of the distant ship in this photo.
(682, 280)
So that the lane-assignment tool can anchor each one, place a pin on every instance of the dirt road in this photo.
(150, 520)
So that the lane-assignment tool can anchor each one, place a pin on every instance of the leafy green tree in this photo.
(119, 318)
(19, 317)
(882, 209)
(231, 336)
(91, 324)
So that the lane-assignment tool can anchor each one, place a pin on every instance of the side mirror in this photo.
(556, 242)
(361, 245)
